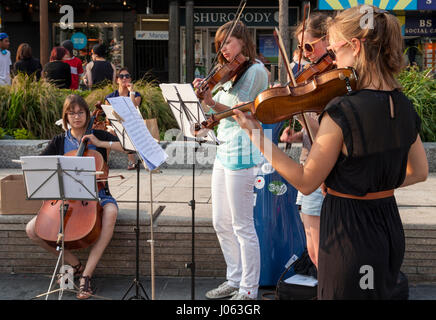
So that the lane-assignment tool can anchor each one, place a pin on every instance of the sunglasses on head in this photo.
(121, 76)
(308, 46)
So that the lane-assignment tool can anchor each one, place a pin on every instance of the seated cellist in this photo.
(76, 114)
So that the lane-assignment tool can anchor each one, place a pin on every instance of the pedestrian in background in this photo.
(99, 70)
(57, 71)
(26, 63)
(5, 60)
(74, 62)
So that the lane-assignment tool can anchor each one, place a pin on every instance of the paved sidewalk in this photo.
(173, 188)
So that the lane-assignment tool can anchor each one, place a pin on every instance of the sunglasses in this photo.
(308, 46)
(121, 76)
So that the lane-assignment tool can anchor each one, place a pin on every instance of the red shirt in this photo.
(76, 69)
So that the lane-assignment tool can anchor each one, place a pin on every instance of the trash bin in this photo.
(277, 221)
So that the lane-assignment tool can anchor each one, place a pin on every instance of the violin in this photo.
(281, 103)
(222, 74)
(82, 219)
(229, 71)
(323, 64)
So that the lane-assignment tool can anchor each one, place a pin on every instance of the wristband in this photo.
(110, 144)
(133, 93)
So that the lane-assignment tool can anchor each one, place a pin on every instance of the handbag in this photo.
(290, 291)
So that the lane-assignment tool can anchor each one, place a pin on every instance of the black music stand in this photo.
(116, 122)
(60, 178)
(134, 137)
(188, 112)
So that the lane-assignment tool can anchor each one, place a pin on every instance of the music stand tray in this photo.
(60, 178)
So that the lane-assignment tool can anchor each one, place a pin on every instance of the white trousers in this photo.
(232, 216)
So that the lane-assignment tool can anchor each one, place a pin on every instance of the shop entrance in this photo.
(151, 59)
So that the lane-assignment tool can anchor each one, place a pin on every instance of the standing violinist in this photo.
(233, 174)
(367, 145)
(76, 114)
(314, 47)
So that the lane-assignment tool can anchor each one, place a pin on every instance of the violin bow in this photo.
(229, 32)
(282, 50)
(306, 7)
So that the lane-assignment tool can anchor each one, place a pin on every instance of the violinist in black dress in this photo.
(368, 144)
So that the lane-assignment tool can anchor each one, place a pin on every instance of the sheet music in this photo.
(118, 128)
(42, 181)
(148, 149)
(302, 280)
(172, 93)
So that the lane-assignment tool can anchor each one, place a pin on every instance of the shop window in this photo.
(110, 34)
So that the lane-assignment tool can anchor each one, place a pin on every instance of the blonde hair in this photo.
(381, 50)
(240, 32)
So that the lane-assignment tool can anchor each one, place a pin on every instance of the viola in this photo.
(222, 74)
(281, 103)
(323, 64)
(82, 219)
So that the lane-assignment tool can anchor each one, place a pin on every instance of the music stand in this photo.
(188, 112)
(129, 142)
(60, 178)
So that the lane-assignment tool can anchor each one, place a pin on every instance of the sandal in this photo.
(131, 166)
(78, 269)
(85, 290)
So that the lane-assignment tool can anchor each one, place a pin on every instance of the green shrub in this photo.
(36, 105)
(420, 88)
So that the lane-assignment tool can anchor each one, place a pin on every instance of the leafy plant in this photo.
(420, 88)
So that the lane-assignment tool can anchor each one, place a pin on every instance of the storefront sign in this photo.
(151, 35)
(252, 17)
(382, 4)
(426, 4)
(423, 25)
(79, 40)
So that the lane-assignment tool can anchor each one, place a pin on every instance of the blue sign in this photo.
(426, 4)
(79, 40)
(382, 4)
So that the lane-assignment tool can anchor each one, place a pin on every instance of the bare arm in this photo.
(322, 157)
(417, 164)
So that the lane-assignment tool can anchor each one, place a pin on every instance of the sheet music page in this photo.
(78, 176)
(148, 149)
(118, 128)
(171, 93)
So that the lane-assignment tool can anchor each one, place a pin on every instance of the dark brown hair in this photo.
(240, 32)
(70, 102)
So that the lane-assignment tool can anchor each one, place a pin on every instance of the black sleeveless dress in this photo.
(361, 246)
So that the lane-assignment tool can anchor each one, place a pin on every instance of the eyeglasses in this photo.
(121, 76)
(73, 114)
(308, 46)
(336, 46)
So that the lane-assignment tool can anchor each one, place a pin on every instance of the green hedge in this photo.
(36, 105)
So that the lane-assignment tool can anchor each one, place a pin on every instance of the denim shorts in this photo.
(312, 203)
(106, 197)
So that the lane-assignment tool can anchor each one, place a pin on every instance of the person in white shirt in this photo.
(5, 60)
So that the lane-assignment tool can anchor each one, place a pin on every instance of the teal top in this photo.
(236, 150)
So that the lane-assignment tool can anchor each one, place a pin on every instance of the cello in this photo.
(82, 218)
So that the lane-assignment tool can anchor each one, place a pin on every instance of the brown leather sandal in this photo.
(78, 269)
(85, 290)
